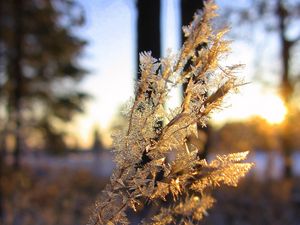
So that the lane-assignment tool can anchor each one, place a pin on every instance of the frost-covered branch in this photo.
(143, 171)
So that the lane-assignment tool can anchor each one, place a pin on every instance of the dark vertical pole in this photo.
(2, 143)
(188, 8)
(148, 27)
(286, 87)
(16, 76)
(148, 38)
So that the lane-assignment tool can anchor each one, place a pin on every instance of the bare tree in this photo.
(279, 19)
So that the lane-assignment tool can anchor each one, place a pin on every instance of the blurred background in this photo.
(68, 67)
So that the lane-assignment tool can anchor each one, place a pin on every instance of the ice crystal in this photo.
(145, 172)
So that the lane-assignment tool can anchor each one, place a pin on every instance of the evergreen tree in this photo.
(39, 69)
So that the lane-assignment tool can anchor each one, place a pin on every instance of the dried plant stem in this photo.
(143, 173)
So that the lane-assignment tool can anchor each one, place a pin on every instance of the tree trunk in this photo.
(1, 191)
(148, 29)
(188, 8)
(148, 39)
(286, 87)
(2, 146)
(16, 77)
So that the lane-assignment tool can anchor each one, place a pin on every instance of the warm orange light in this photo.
(272, 109)
(253, 103)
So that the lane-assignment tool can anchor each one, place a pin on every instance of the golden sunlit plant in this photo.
(144, 172)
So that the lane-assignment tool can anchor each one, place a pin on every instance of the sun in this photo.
(253, 102)
(272, 109)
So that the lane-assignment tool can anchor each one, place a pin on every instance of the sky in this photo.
(111, 59)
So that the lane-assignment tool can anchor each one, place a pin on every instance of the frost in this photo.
(145, 173)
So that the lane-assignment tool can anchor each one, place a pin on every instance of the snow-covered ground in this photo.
(101, 164)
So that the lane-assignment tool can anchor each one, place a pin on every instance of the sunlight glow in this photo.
(110, 57)
(272, 109)
(252, 101)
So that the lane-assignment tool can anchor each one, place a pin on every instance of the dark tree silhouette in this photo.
(97, 144)
(286, 85)
(188, 8)
(148, 37)
(278, 18)
(148, 27)
(17, 75)
(39, 52)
